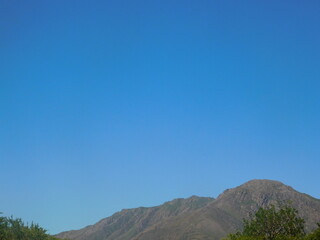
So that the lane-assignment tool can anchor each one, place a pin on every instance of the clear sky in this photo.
(113, 104)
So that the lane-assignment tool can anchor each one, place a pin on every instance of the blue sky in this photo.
(118, 104)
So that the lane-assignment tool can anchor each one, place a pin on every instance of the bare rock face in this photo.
(198, 217)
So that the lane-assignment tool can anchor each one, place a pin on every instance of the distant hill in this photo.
(199, 217)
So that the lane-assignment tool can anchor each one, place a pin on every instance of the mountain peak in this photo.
(263, 181)
(250, 196)
(258, 187)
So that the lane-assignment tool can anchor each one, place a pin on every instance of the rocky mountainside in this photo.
(199, 218)
(254, 194)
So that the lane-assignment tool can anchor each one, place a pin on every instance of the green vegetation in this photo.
(16, 229)
(274, 224)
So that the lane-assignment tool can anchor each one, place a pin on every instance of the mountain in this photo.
(129, 223)
(197, 217)
(225, 214)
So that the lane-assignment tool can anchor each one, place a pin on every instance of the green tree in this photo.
(36, 232)
(3, 228)
(15, 229)
(272, 224)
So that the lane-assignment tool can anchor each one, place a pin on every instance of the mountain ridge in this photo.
(199, 217)
(135, 219)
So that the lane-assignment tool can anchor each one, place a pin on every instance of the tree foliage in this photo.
(272, 224)
(15, 229)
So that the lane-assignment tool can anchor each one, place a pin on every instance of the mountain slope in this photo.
(130, 222)
(225, 214)
(254, 194)
(199, 218)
